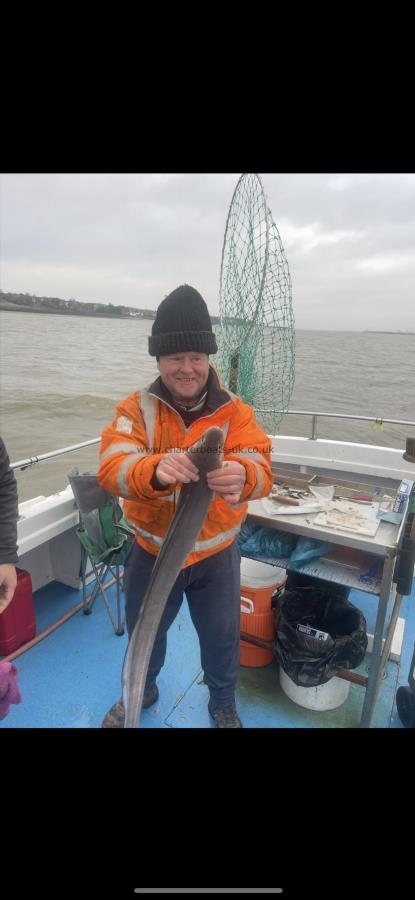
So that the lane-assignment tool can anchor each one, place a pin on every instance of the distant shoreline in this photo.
(51, 312)
(388, 332)
(83, 315)
(215, 319)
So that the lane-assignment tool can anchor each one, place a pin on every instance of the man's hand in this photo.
(8, 581)
(228, 481)
(176, 467)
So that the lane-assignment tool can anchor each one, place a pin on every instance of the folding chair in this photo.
(105, 538)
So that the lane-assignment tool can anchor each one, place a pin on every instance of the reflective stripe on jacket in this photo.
(145, 428)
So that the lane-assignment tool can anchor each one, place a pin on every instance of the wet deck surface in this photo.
(72, 677)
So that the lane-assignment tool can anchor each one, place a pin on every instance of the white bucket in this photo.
(257, 574)
(323, 696)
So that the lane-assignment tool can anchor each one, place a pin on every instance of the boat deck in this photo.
(71, 677)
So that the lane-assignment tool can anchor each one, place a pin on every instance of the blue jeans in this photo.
(212, 588)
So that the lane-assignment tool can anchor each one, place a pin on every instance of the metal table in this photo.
(384, 546)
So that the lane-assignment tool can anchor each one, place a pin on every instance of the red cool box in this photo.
(17, 622)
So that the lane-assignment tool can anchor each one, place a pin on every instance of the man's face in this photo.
(185, 375)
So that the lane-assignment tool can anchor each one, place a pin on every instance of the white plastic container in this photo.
(323, 696)
(256, 574)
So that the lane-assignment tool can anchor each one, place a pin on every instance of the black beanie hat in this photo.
(182, 324)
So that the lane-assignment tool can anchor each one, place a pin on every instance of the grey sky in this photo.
(130, 239)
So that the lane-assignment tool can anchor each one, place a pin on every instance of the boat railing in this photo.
(328, 415)
(26, 463)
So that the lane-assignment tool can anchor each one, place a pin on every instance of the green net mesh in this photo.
(256, 339)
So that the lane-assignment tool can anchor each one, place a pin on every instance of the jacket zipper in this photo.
(185, 430)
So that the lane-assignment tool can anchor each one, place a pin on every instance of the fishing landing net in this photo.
(256, 341)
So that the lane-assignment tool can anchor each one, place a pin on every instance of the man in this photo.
(8, 530)
(143, 459)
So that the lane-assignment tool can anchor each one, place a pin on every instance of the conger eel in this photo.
(195, 496)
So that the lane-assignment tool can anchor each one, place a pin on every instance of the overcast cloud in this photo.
(130, 239)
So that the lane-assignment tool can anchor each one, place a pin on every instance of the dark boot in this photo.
(225, 716)
(116, 715)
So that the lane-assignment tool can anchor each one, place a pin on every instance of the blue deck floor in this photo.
(71, 678)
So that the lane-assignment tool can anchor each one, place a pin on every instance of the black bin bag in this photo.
(309, 660)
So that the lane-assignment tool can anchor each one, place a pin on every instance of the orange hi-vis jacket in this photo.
(146, 426)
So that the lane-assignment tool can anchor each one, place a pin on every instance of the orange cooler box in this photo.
(17, 622)
(259, 584)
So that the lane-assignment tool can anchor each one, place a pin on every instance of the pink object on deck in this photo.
(9, 691)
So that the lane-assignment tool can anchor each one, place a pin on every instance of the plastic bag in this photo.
(255, 538)
(308, 660)
(266, 541)
(306, 549)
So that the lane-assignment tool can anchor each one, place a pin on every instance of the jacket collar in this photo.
(216, 396)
